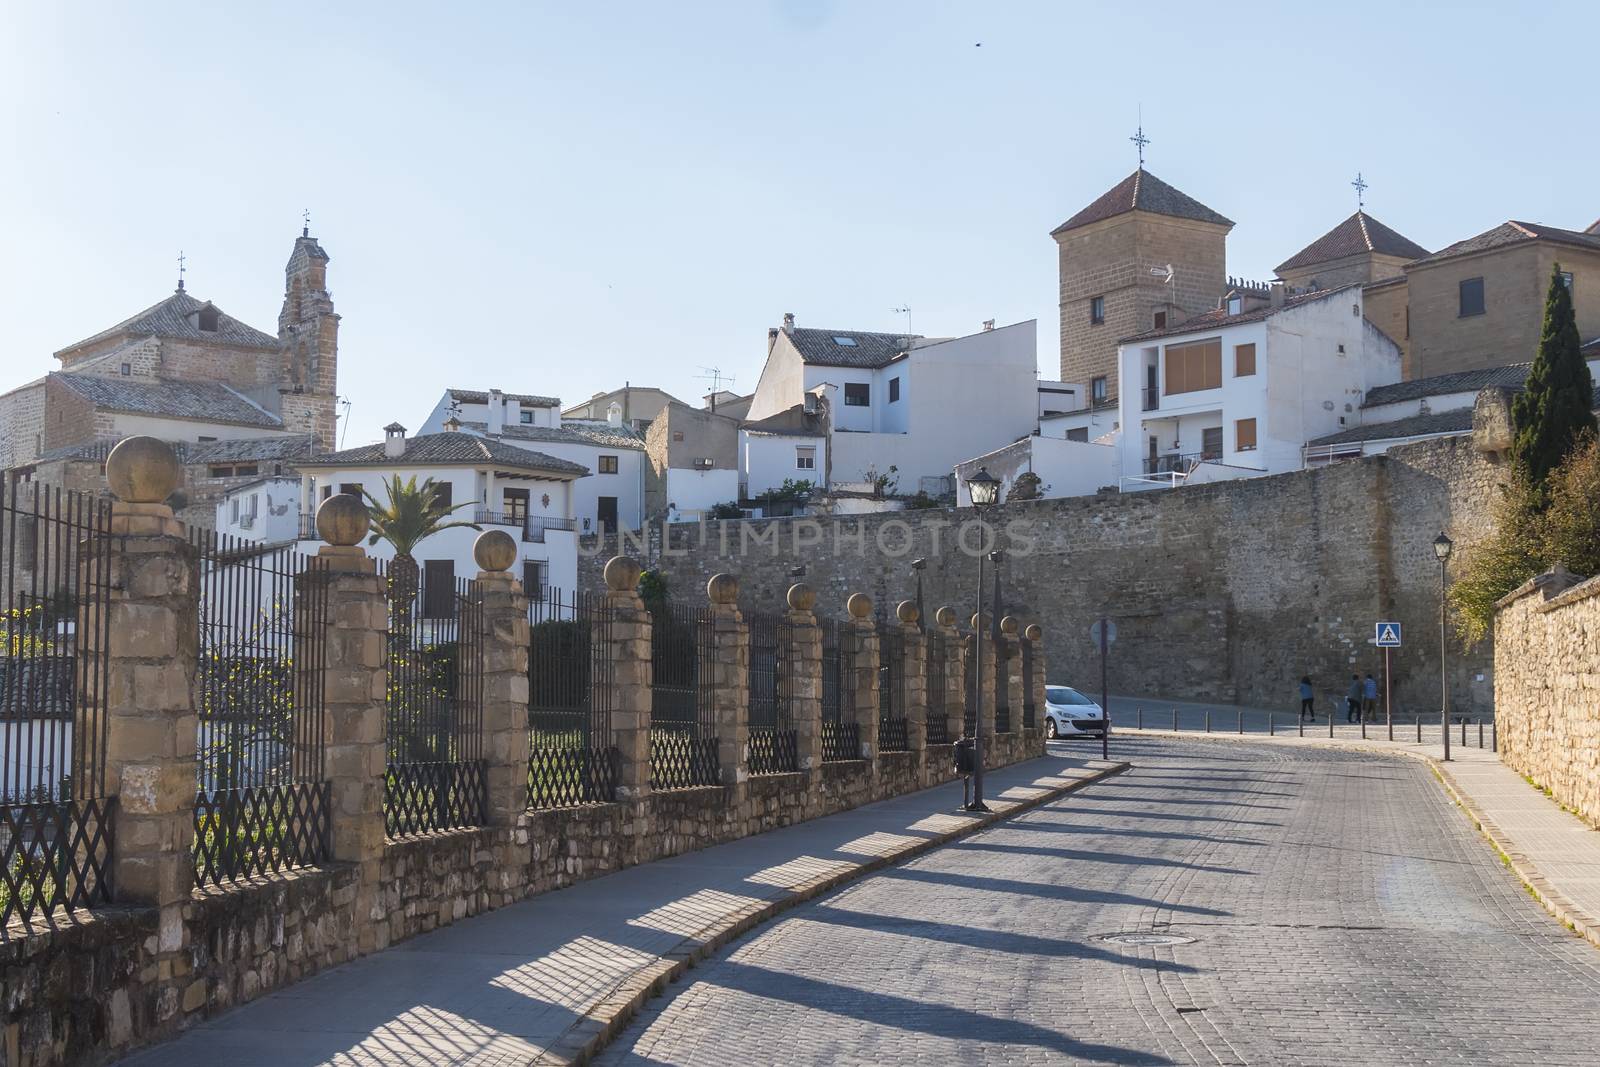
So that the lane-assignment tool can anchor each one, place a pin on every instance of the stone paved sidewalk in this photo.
(1555, 853)
(550, 979)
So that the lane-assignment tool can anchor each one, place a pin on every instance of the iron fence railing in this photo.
(774, 746)
(840, 740)
(1030, 705)
(1002, 690)
(262, 802)
(433, 707)
(572, 753)
(892, 733)
(56, 550)
(938, 727)
(683, 734)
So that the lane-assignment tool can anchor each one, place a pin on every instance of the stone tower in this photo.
(309, 330)
(1114, 257)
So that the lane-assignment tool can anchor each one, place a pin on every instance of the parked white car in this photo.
(1068, 713)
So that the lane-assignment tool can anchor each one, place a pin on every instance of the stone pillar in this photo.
(505, 679)
(355, 686)
(152, 655)
(1035, 684)
(802, 666)
(913, 679)
(628, 653)
(858, 645)
(730, 679)
(945, 642)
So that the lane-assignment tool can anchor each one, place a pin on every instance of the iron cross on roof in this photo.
(181, 261)
(305, 220)
(1361, 191)
(1140, 140)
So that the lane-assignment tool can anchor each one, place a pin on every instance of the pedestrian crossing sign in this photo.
(1388, 635)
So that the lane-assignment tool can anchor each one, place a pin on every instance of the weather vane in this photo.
(1139, 139)
(181, 261)
(1361, 191)
(305, 219)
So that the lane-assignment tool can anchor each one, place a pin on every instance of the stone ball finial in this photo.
(723, 589)
(945, 616)
(859, 605)
(342, 520)
(622, 574)
(495, 550)
(802, 597)
(1008, 624)
(1033, 632)
(142, 470)
(906, 611)
(980, 618)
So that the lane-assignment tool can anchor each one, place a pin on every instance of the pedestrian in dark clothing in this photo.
(1352, 699)
(1369, 697)
(1307, 695)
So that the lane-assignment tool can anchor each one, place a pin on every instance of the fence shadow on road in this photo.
(1044, 891)
(1121, 831)
(1087, 856)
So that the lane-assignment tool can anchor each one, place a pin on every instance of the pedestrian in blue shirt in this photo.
(1369, 697)
(1307, 696)
(1352, 700)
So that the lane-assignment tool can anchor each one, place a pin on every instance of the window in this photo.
(127, 368)
(1078, 433)
(1161, 320)
(805, 458)
(1097, 390)
(525, 417)
(514, 502)
(327, 491)
(677, 435)
(1235, 305)
(608, 464)
(845, 342)
(233, 510)
(204, 439)
(246, 470)
(857, 395)
(438, 588)
(350, 489)
(1194, 366)
(534, 577)
(1566, 279)
(444, 494)
(1244, 435)
(208, 320)
(894, 390)
(1211, 442)
(1097, 310)
(1244, 360)
(1471, 297)
(221, 472)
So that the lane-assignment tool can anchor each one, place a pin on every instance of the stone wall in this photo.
(1229, 591)
(1547, 690)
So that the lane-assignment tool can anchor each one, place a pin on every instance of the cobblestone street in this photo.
(1341, 911)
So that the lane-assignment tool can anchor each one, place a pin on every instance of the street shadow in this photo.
(1036, 826)
(1121, 795)
(1086, 856)
(1169, 816)
(1041, 890)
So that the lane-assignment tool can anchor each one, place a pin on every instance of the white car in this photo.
(1068, 713)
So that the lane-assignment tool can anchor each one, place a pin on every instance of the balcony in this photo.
(532, 527)
(1150, 398)
(308, 528)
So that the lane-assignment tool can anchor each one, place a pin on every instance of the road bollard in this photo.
(1480, 733)
(1272, 724)
(1139, 715)
(1463, 733)
(1302, 724)
(1494, 735)
(1208, 720)
(1330, 725)
(1363, 724)
(1241, 720)
(1419, 729)
(1174, 720)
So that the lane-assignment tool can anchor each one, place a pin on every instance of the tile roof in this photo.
(1513, 232)
(572, 432)
(1143, 191)
(1355, 235)
(171, 318)
(444, 448)
(867, 350)
(1216, 320)
(481, 396)
(289, 446)
(1510, 376)
(1457, 420)
(204, 401)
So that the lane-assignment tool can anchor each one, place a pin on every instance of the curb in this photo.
(603, 1021)
(1557, 903)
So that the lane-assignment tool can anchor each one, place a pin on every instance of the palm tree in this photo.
(411, 515)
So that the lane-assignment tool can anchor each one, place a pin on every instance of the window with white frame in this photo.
(805, 457)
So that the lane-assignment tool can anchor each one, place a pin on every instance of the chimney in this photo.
(614, 414)
(394, 440)
(1275, 294)
(497, 412)
(452, 425)
(788, 322)
(988, 324)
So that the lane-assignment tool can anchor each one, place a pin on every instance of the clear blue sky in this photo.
(555, 198)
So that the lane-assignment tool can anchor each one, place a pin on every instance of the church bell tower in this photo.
(309, 330)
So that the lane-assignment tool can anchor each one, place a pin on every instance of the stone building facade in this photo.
(1113, 258)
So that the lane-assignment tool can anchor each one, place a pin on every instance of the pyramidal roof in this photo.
(1143, 191)
(1355, 235)
(172, 317)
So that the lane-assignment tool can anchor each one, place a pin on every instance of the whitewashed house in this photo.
(882, 400)
(267, 510)
(528, 494)
(1238, 392)
(613, 496)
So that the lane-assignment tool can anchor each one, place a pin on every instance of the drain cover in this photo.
(1147, 939)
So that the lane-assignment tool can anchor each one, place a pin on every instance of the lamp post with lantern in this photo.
(1442, 547)
(984, 489)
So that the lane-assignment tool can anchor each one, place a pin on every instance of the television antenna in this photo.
(345, 406)
(906, 311)
(715, 376)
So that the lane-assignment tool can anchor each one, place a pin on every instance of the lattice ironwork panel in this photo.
(419, 797)
(832, 671)
(938, 727)
(892, 735)
(1002, 717)
(840, 741)
(54, 856)
(240, 833)
(562, 776)
(681, 759)
(773, 751)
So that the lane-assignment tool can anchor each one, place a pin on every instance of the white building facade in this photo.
(266, 510)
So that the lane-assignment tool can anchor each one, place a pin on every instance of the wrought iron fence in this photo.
(840, 740)
(55, 585)
(263, 796)
(1002, 690)
(969, 692)
(434, 778)
(683, 734)
(774, 746)
(938, 728)
(892, 734)
(572, 753)
(1030, 707)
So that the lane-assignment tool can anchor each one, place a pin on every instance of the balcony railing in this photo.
(533, 527)
(308, 528)
(1151, 398)
(1175, 463)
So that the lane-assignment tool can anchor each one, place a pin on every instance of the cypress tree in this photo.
(1555, 409)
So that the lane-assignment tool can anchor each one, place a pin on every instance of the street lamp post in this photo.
(984, 489)
(1442, 547)
(919, 565)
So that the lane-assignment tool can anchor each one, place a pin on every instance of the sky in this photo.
(559, 198)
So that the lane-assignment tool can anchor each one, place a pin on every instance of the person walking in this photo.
(1369, 698)
(1307, 697)
(1352, 699)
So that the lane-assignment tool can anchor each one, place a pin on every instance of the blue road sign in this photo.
(1388, 635)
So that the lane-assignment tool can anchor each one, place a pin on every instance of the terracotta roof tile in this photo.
(205, 401)
(1143, 191)
(175, 317)
(1355, 235)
